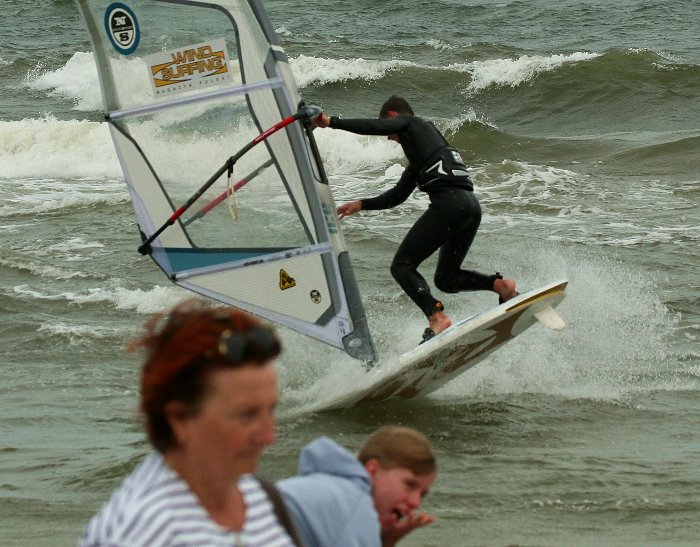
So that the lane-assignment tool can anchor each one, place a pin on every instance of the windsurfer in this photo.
(451, 221)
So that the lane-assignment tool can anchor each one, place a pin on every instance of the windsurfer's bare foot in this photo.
(439, 322)
(505, 289)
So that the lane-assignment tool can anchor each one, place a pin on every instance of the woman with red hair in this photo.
(208, 394)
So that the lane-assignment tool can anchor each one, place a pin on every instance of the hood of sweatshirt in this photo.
(326, 456)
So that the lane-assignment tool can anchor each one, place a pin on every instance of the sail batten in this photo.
(242, 258)
(212, 95)
(188, 88)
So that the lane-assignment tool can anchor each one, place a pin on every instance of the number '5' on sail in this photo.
(230, 195)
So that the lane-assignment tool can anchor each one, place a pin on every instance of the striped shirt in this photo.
(154, 506)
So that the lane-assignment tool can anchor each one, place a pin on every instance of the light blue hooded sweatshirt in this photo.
(330, 501)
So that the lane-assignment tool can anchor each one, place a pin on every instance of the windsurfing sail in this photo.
(199, 95)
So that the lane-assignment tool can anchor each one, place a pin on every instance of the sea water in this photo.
(581, 124)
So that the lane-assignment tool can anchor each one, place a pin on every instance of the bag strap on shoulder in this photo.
(280, 510)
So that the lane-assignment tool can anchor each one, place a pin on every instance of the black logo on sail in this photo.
(122, 28)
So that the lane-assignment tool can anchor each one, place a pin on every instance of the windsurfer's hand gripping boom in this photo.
(305, 112)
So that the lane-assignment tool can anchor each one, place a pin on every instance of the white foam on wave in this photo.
(76, 80)
(283, 31)
(36, 196)
(438, 44)
(47, 147)
(42, 270)
(514, 72)
(525, 183)
(345, 153)
(74, 244)
(321, 71)
(50, 148)
(469, 115)
(77, 334)
(154, 300)
(522, 192)
(575, 205)
(613, 345)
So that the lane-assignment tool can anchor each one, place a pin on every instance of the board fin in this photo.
(548, 317)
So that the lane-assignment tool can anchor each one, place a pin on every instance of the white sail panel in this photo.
(151, 205)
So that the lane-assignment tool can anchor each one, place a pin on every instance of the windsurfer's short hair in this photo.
(183, 347)
(397, 104)
(395, 446)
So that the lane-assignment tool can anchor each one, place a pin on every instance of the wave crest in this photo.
(514, 72)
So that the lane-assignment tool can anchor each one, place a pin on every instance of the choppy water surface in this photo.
(581, 122)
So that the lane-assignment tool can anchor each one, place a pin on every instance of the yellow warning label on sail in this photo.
(286, 280)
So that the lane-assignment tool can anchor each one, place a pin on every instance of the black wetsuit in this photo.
(449, 224)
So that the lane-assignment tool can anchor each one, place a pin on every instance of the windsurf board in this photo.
(432, 364)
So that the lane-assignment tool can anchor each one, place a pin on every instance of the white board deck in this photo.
(435, 362)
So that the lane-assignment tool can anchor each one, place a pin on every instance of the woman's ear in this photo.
(177, 415)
